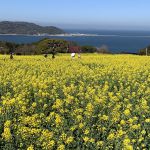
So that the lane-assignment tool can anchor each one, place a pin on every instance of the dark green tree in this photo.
(88, 49)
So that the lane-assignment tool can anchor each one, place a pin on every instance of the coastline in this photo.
(63, 35)
(76, 35)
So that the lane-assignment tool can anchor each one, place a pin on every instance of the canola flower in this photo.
(97, 102)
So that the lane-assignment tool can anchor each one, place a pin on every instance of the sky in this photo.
(80, 14)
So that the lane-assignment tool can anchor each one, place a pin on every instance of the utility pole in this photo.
(146, 51)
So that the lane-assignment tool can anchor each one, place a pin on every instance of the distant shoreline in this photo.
(77, 35)
(65, 35)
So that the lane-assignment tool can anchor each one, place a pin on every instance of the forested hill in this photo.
(26, 28)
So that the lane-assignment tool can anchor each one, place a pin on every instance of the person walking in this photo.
(11, 56)
(73, 55)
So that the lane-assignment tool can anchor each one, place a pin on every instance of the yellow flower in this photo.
(79, 117)
(140, 139)
(81, 125)
(63, 136)
(126, 141)
(111, 136)
(61, 147)
(95, 98)
(120, 133)
(89, 107)
(127, 112)
(58, 103)
(135, 127)
(86, 131)
(128, 147)
(104, 117)
(133, 140)
(92, 140)
(130, 120)
(34, 104)
(73, 128)
(147, 120)
(86, 139)
(48, 145)
(143, 132)
(69, 140)
(6, 135)
(45, 106)
(46, 135)
(100, 143)
(143, 145)
(7, 124)
(58, 120)
(51, 143)
(30, 147)
(122, 122)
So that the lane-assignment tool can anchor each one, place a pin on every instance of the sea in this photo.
(116, 41)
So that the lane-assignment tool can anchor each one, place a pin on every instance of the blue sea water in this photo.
(116, 41)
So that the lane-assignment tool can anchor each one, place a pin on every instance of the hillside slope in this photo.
(7, 27)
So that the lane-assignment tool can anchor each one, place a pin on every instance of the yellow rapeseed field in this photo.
(96, 102)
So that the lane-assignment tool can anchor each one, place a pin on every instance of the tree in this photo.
(52, 46)
(7, 47)
(45, 46)
(3, 48)
(103, 49)
(26, 49)
(88, 49)
(143, 51)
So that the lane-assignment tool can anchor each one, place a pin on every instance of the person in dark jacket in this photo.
(11, 56)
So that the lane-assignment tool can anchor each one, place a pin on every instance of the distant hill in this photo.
(26, 28)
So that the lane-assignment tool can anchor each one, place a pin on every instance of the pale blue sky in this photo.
(88, 14)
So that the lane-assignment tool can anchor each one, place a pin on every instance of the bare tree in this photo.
(103, 49)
